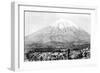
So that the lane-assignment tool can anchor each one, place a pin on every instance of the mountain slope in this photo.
(62, 32)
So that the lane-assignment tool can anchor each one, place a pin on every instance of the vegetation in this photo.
(51, 53)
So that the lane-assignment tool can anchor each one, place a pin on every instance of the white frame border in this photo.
(17, 64)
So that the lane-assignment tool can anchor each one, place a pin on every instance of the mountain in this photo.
(62, 33)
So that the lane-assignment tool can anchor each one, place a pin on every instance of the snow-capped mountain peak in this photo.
(61, 31)
(62, 23)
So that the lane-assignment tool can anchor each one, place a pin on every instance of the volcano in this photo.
(62, 33)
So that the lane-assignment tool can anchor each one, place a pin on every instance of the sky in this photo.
(35, 21)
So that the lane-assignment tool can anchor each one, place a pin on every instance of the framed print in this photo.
(49, 36)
